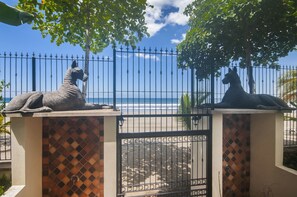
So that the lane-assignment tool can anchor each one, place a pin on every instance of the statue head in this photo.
(231, 77)
(74, 73)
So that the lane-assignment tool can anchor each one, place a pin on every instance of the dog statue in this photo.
(67, 97)
(236, 97)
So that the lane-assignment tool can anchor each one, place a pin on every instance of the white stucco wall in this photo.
(268, 176)
(217, 155)
(26, 139)
(110, 156)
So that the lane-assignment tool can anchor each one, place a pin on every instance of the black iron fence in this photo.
(279, 82)
(143, 78)
(161, 150)
(46, 72)
(25, 73)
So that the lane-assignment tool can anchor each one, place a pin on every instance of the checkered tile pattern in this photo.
(236, 155)
(73, 157)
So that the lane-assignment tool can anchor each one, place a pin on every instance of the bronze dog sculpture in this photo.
(67, 97)
(236, 97)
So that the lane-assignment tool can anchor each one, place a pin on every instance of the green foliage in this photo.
(288, 85)
(2, 190)
(185, 107)
(93, 22)
(2, 86)
(3, 124)
(253, 32)
(5, 184)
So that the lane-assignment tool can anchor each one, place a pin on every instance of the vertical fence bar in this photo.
(33, 73)
(209, 139)
(209, 145)
(192, 87)
(114, 79)
(212, 87)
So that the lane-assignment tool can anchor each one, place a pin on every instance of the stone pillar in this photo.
(30, 150)
(110, 156)
(26, 140)
(268, 177)
(217, 150)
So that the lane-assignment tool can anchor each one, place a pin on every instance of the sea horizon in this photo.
(134, 104)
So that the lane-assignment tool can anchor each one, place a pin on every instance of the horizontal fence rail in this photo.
(268, 81)
(30, 72)
(166, 165)
(145, 78)
(43, 73)
(160, 145)
(153, 91)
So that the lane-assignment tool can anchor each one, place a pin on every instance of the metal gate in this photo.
(164, 142)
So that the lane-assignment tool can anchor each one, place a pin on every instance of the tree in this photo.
(288, 84)
(3, 124)
(186, 106)
(253, 32)
(91, 24)
(12, 16)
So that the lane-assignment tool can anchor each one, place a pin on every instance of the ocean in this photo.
(136, 104)
(140, 104)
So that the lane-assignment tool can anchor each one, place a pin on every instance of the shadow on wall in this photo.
(290, 157)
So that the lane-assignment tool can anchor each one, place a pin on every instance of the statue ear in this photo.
(235, 69)
(74, 64)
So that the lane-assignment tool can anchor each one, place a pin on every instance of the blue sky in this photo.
(166, 25)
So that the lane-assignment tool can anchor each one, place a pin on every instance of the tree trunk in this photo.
(86, 69)
(249, 67)
(87, 51)
(251, 80)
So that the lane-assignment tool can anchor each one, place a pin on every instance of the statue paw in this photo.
(107, 107)
(46, 109)
(261, 107)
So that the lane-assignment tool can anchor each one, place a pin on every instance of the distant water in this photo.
(6, 100)
(140, 104)
(136, 104)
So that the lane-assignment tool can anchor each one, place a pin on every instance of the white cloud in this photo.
(159, 3)
(141, 55)
(177, 41)
(123, 56)
(153, 19)
(177, 18)
(156, 19)
(153, 28)
(147, 56)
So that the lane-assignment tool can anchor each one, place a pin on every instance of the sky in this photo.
(167, 26)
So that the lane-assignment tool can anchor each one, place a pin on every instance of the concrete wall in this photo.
(26, 142)
(26, 139)
(217, 155)
(110, 156)
(268, 176)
